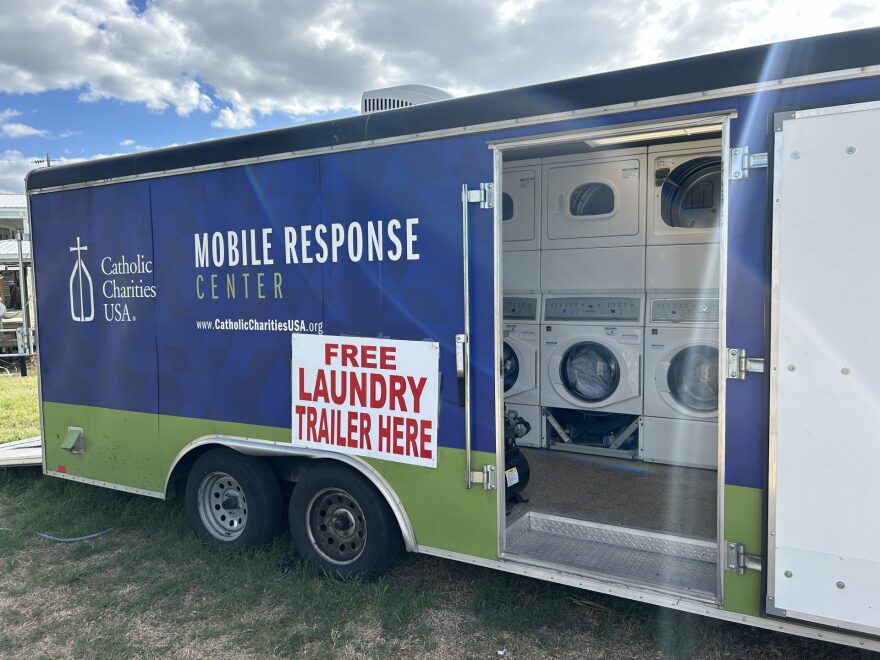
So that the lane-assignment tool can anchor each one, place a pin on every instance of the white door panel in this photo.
(825, 371)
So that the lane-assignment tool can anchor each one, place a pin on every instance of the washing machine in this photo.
(595, 200)
(521, 333)
(591, 353)
(521, 205)
(684, 197)
(681, 381)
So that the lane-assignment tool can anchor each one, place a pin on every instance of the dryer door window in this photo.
(590, 371)
(591, 199)
(693, 378)
(511, 367)
(690, 196)
(506, 207)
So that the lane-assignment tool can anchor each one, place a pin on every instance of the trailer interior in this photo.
(610, 324)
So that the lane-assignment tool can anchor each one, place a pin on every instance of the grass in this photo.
(150, 589)
(19, 417)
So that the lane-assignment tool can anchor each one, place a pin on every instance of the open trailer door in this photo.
(824, 541)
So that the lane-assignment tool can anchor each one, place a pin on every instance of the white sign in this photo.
(369, 397)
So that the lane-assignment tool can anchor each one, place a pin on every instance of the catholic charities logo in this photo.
(126, 285)
(82, 291)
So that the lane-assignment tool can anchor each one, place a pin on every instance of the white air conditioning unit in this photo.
(401, 96)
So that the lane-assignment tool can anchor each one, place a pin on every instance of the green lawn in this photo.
(19, 413)
(150, 589)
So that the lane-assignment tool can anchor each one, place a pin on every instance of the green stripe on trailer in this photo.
(743, 521)
(137, 450)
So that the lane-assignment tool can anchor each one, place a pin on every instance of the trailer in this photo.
(340, 314)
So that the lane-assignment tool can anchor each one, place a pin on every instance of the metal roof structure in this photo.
(13, 201)
(9, 251)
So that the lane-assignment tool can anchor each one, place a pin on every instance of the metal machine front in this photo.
(824, 543)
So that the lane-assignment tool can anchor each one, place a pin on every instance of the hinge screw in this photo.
(795, 154)
(840, 585)
(737, 175)
(850, 149)
(845, 371)
(788, 574)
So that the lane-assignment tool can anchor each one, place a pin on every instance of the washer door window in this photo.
(692, 378)
(511, 367)
(690, 197)
(590, 371)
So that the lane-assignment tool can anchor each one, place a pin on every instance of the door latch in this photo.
(487, 476)
(741, 162)
(738, 364)
(737, 561)
(485, 195)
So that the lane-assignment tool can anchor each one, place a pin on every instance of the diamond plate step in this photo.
(658, 560)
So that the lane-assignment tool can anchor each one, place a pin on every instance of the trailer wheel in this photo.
(341, 524)
(233, 500)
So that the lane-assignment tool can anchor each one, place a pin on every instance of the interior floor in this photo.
(643, 522)
(647, 496)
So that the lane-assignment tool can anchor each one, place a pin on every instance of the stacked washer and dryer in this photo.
(521, 234)
(682, 283)
(593, 281)
(611, 300)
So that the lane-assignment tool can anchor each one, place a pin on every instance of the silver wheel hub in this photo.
(336, 525)
(222, 506)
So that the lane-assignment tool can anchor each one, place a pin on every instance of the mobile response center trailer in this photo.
(322, 306)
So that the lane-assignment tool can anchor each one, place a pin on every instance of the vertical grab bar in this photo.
(462, 351)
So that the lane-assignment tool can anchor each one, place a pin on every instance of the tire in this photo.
(233, 501)
(521, 463)
(362, 537)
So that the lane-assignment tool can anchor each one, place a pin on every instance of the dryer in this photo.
(521, 205)
(521, 333)
(595, 200)
(591, 353)
(684, 198)
(681, 381)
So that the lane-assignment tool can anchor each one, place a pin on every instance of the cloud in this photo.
(8, 113)
(234, 119)
(245, 60)
(15, 130)
(14, 166)
(127, 142)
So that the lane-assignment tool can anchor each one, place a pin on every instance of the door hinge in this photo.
(485, 195)
(486, 476)
(738, 364)
(737, 561)
(741, 161)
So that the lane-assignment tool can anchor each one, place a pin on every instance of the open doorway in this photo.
(611, 334)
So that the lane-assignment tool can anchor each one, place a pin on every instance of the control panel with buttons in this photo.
(685, 310)
(591, 308)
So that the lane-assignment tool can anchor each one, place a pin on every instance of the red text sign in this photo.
(369, 397)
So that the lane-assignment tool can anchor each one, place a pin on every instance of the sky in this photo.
(83, 79)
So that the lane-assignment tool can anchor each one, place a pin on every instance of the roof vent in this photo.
(401, 96)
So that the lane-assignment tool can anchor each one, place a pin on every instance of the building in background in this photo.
(14, 287)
